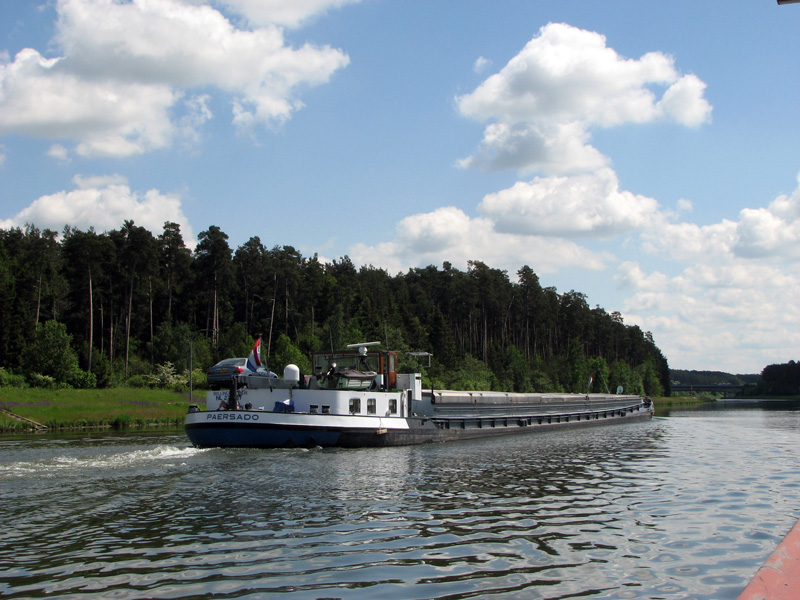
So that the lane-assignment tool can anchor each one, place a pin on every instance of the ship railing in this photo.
(482, 420)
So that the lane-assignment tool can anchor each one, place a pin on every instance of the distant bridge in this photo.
(726, 389)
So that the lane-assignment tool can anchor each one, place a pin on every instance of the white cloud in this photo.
(552, 148)
(771, 232)
(125, 66)
(291, 13)
(84, 182)
(449, 234)
(565, 81)
(58, 152)
(111, 118)
(590, 204)
(631, 276)
(737, 314)
(103, 202)
(733, 295)
(481, 64)
(684, 102)
(197, 113)
(688, 242)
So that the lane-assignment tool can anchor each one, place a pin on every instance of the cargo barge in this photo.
(356, 398)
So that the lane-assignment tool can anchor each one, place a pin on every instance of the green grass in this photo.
(117, 408)
(679, 400)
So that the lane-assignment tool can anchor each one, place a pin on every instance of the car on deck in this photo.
(219, 376)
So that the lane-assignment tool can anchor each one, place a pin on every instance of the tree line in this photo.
(115, 306)
(712, 377)
(779, 380)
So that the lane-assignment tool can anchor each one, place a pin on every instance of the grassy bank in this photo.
(682, 400)
(665, 404)
(131, 408)
(117, 408)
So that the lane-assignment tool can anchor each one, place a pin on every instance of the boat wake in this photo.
(66, 464)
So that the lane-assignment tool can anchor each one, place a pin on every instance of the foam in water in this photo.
(59, 464)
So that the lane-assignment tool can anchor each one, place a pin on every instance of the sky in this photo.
(645, 154)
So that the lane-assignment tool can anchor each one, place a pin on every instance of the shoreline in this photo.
(119, 409)
(46, 411)
(35, 410)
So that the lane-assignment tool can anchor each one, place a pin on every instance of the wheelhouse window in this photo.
(355, 406)
(326, 409)
(393, 406)
(371, 407)
(313, 409)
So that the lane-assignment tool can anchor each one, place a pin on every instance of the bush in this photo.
(136, 381)
(543, 382)
(82, 380)
(38, 380)
(12, 425)
(199, 380)
(287, 353)
(165, 377)
(472, 375)
(8, 379)
(101, 368)
(50, 360)
(651, 385)
(121, 422)
(136, 364)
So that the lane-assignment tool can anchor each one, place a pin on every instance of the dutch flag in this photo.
(254, 361)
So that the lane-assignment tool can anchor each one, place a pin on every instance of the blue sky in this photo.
(644, 154)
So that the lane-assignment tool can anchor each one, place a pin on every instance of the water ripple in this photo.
(685, 507)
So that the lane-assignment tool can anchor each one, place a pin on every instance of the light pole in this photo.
(191, 362)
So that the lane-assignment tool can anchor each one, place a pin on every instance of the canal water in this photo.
(684, 506)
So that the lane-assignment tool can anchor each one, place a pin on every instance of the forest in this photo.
(780, 380)
(126, 307)
(712, 377)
